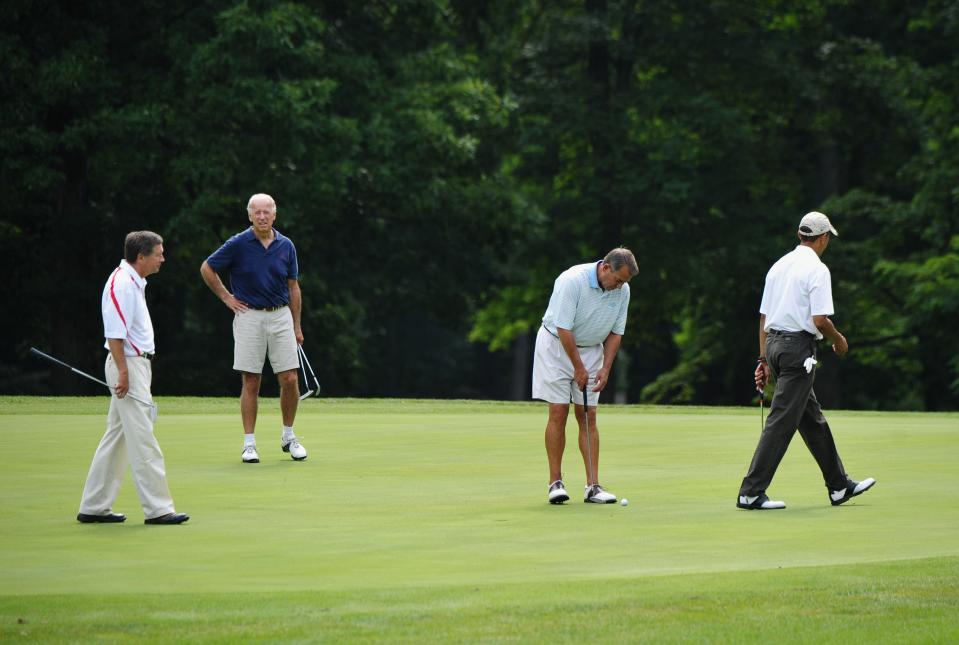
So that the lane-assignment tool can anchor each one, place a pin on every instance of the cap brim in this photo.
(832, 229)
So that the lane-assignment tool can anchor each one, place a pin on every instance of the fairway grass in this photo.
(427, 520)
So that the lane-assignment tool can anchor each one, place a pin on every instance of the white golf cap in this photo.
(815, 223)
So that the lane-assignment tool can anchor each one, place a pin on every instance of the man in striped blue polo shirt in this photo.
(576, 346)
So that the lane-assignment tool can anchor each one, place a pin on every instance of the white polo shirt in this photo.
(125, 314)
(798, 287)
(580, 305)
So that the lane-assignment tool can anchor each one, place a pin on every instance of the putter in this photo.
(304, 365)
(153, 406)
(589, 448)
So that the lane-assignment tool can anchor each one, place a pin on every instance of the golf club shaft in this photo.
(306, 383)
(36, 351)
(305, 360)
(589, 448)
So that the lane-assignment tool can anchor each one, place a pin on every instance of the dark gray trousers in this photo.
(794, 406)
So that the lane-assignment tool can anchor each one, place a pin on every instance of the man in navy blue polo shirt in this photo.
(263, 270)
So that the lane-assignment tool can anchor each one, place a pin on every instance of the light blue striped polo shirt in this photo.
(580, 305)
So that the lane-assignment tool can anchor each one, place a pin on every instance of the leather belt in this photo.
(276, 308)
(780, 332)
(557, 338)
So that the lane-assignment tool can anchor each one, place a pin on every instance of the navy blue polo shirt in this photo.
(258, 275)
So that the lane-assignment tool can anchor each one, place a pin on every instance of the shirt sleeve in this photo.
(820, 293)
(620, 326)
(118, 306)
(223, 257)
(764, 303)
(567, 296)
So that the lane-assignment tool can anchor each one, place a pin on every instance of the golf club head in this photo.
(306, 394)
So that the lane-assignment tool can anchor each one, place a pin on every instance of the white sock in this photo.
(288, 433)
(249, 440)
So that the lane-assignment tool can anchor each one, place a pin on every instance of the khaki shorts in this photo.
(258, 333)
(553, 371)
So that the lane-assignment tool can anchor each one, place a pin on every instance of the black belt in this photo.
(147, 355)
(780, 332)
(557, 338)
(268, 308)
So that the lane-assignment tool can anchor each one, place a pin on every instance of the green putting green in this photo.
(428, 519)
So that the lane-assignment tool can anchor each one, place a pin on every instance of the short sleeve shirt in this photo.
(580, 304)
(798, 287)
(124, 308)
(258, 275)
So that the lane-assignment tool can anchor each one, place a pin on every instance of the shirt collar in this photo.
(805, 249)
(140, 282)
(251, 236)
(593, 277)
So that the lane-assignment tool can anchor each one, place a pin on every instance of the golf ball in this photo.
(624, 502)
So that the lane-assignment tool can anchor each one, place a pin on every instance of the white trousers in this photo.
(128, 440)
(553, 371)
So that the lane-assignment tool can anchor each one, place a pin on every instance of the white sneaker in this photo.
(249, 455)
(296, 450)
(557, 492)
(596, 495)
(758, 503)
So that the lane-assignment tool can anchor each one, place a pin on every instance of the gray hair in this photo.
(140, 242)
(622, 257)
(249, 204)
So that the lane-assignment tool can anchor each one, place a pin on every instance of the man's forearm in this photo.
(610, 349)
(213, 281)
(762, 334)
(826, 328)
(116, 351)
(569, 346)
(296, 302)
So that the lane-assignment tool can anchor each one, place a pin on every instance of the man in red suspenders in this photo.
(129, 436)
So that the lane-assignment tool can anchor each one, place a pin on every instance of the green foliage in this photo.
(438, 164)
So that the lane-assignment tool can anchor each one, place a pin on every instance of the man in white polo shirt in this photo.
(576, 346)
(793, 315)
(129, 436)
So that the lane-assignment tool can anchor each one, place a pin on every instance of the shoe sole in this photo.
(846, 499)
(251, 461)
(591, 501)
(298, 458)
(747, 507)
(559, 500)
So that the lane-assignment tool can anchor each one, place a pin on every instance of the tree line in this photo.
(438, 162)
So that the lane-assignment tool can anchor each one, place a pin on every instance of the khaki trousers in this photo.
(128, 440)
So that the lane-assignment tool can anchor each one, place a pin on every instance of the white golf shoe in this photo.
(249, 455)
(758, 503)
(296, 450)
(852, 489)
(596, 495)
(557, 492)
